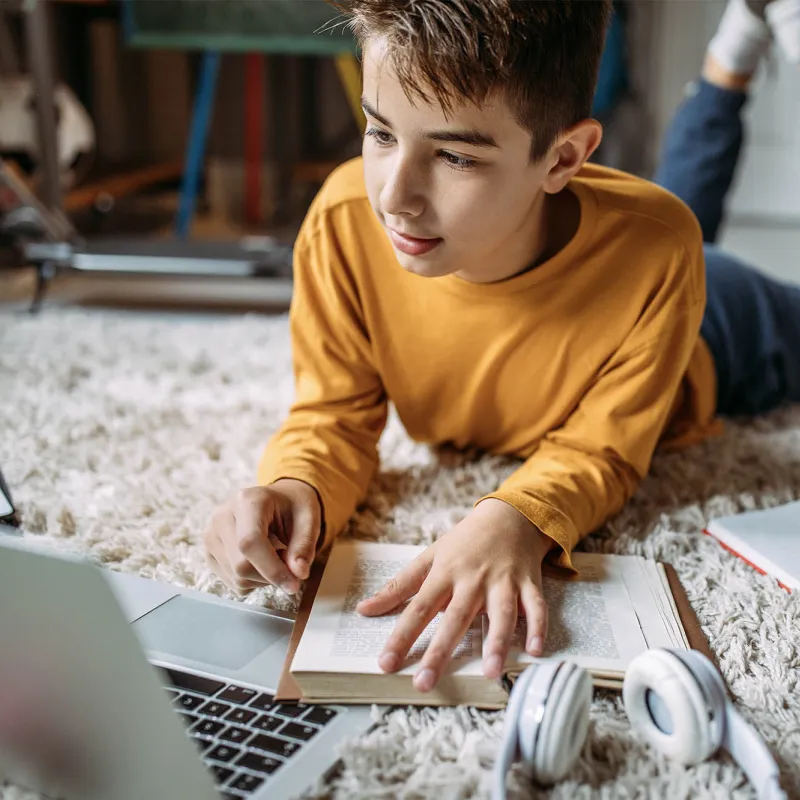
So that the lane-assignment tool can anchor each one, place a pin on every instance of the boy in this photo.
(475, 271)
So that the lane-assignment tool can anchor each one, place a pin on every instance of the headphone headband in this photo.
(752, 755)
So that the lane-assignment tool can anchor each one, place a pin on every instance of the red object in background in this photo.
(746, 560)
(253, 134)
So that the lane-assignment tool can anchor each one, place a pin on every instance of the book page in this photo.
(601, 620)
(337, 639)
(591, 619)
(652, 609)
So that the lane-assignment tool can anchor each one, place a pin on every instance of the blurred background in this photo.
(163, 152)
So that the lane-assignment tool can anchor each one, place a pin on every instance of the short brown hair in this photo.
(542, 54)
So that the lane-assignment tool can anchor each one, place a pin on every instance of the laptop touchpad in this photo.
(209, 632)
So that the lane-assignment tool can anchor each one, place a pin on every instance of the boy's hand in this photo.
(492, 560)
(265, 534)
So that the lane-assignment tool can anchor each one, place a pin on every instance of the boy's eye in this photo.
(381, 138)
(385, 139)
(456, 162)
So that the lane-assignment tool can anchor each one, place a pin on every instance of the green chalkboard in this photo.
(273, 26)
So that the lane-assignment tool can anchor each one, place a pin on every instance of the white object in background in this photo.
(18, 130)
(767, 187)
(768, 540)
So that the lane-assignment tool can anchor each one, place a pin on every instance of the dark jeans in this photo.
(752, 322)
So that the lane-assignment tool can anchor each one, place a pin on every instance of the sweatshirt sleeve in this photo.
(584, 471)
(329, 439)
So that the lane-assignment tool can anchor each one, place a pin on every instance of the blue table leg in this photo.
(198, 134)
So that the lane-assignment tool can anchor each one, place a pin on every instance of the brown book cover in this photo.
(289, 690)
(694, 633)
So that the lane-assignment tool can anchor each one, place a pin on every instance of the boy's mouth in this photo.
(412, 245)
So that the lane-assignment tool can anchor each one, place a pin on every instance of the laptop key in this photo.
(274, 745)
(247, 783)
(292, 711)
(188, 719)
(268, 723)
(240, 715)
(263, 702)
(188, 702)
(319, 715)
(213, 708)
(193, 683)
(237, 694)
(207, 727)
(236, 734)
(224, 752)
(221, 774)
(301, 733)
(259, 762)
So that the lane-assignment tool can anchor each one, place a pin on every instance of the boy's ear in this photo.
(570, 152)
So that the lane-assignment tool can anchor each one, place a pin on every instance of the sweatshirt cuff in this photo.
(549, 520)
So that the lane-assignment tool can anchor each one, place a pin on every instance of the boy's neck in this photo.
(554, 221)
(562, 218)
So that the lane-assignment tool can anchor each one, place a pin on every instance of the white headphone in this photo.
(675, 701)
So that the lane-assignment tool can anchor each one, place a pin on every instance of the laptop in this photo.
(84, 715)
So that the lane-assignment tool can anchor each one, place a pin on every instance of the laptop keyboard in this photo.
(243, 735)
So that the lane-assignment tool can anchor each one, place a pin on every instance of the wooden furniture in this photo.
(277, 27)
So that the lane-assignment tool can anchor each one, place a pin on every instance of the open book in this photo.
(614, 609)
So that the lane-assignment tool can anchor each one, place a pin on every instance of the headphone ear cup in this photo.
(510, 745)
(564, 726)
(667, 708)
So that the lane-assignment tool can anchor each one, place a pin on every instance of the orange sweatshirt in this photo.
(580, 366)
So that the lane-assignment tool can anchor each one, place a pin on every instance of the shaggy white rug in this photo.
(119, 433)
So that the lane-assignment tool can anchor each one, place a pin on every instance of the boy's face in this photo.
(456, 194)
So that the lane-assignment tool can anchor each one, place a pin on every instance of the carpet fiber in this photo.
(119, 433)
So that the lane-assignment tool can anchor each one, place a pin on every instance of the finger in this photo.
(222, 527)
(535, 616)
(240, 586)
(221, 530)
(303, 540)
(234, 568)
(456, 621)
(250, 553)
(413, 621)
(398, 589)
(238, 566)
(501, 608)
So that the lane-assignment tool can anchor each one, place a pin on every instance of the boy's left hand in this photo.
(491, 560)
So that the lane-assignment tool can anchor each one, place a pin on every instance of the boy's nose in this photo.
(402, 195)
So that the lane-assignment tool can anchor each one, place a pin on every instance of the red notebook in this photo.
(768, 540)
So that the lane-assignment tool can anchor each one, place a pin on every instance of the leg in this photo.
(703, 143)
(701, 150)
(201, 120)
(752, 326)
(46, 271)
(37, 34)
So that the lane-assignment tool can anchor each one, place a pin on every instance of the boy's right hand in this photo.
(265, 534)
